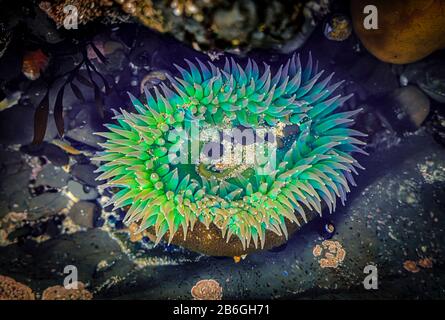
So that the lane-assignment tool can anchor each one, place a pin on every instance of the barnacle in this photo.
(307, 150)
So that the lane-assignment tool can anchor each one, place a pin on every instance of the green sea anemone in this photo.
(309, 148)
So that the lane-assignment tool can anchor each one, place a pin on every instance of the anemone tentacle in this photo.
(313, 166)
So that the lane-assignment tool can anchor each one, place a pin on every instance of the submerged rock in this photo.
(82, 192)
(407, 30)
(5, 38)
(85, 173)
(15, 174)
(222, 24)
(46, 204)
(84, 213)
(413, 104)
(235, 23)
(17, 126)
(46, 261)
(429, 75)
(52, 176)
(433, 84)
(56, 155)
(83, 121)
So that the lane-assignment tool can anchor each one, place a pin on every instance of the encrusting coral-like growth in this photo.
(13, 290)
(61, 293)
(313, 155)
(207, 289)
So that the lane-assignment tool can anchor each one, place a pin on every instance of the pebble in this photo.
(84, 122)
(82, 192)
(413, 103)
(47, 204)
(56, 155)
(52, 176)
(85, 173)
(17, 126)
(84, 213)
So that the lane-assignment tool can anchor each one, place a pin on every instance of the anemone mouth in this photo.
(245, 150)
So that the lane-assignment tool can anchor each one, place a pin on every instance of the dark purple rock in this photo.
(85, 173)
(56, 155)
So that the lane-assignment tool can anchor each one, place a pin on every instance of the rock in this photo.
(4, 208)
(413, 103)
(408, 30)
(10, 63)
(52, 226)
(81, 159)
(52, 176)
(83, 122)
(19, 200)
(371, 78)
(84, 213)
(433, 83)
(85, 173)
(82, 192)
(33, 150)
(52, 152)
(46, 204)
(42, 27)
(437, 126)
(56, 155)
(17, 126)
(5, 38)
(15, 174)
(429, 75)
(46, 261)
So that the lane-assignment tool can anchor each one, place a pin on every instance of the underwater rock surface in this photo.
(221, 24)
